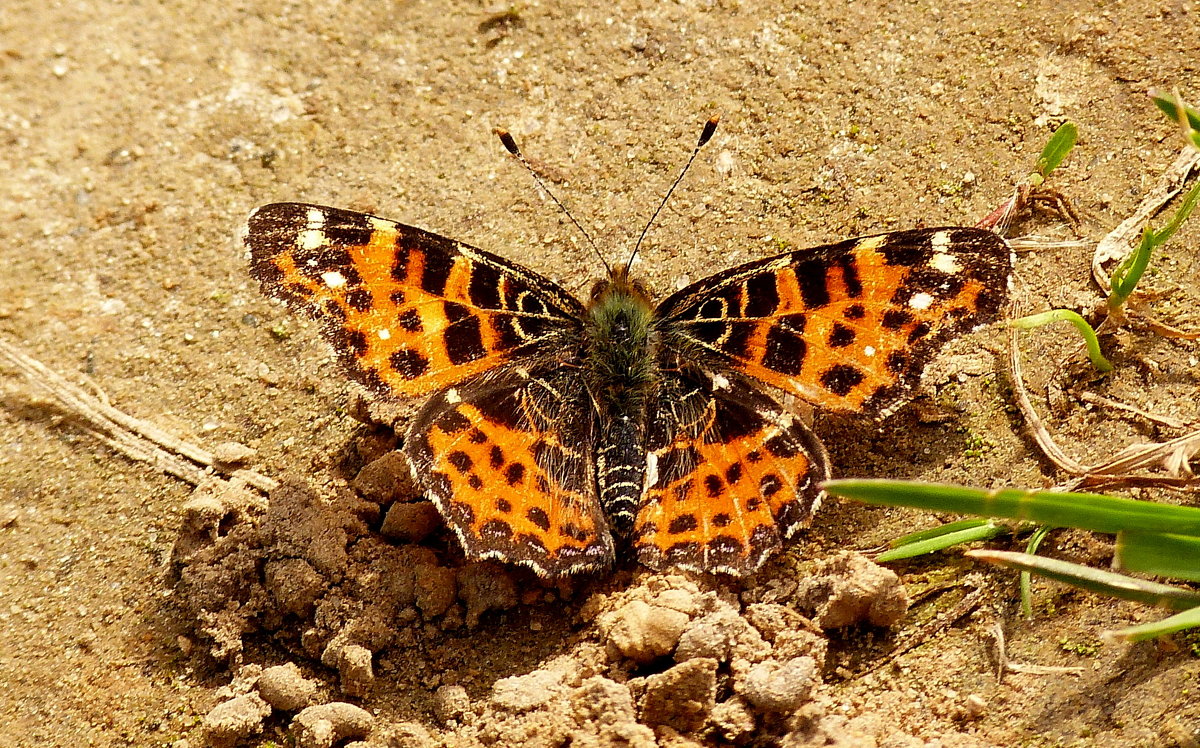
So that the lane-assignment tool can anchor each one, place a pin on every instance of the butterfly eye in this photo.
(600, 287)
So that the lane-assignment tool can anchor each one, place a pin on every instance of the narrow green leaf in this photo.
(1125, 276)
(1188, 619)
(1031, 547)
(1095, 580)
(1170, 106)
(1066, 315)
(1057, 148)
(1083, 510)
(933, 532)
(986, 531)
(1181, 215)
(1162, 554)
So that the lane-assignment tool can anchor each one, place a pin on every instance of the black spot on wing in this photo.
(410, 320)
(463, 336)
(894, 319)
(762, 295)
(814, 283)
(841, 336)
(683, 523)
(436, 271)
(408, 363)
(850, 277)
(360, 299)
(484, 288)
(841, 379)
(785, 350)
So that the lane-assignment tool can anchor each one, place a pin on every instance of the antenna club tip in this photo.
(506, 139)
(710, 128)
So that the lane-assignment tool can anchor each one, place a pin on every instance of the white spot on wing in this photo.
(920, 301)
(311, 239)
(333, 279)
(869, 350)
(651, 470)
(945, 263)
(452, 396)
(316, 218)
(385, 334)
(871, 243)
(940, 241)
(720, 382)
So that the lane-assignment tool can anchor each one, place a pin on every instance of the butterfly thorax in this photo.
(621, 349)
(621, 345)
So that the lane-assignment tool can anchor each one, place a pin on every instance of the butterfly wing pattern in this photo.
(850, 326)
(411, 313)
(515, 441)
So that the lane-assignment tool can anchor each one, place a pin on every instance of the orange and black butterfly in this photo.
(557, 431)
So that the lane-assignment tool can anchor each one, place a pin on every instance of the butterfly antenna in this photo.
(511, 145)
(706, 134)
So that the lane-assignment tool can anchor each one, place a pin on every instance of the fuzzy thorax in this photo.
(621, 344)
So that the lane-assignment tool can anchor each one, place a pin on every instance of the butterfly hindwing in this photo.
(406, 310)
(730, 473)
(847, 326)
(509, 464)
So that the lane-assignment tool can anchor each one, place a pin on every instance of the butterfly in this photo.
(556, 431)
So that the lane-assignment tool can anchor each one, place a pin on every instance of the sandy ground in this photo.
(136, 137)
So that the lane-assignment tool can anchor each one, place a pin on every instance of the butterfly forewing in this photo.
(846, 326)
(407, 311)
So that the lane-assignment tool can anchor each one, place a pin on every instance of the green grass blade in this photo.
(1066, 315)
(1162, 554)
(933, 532)
(1126, 275)
(1095, 580)
(1181, 215)
(1059, 145)
(1031, 547)
(985, 531)
(1188, 619)
(1083, 510)
(1178, 112)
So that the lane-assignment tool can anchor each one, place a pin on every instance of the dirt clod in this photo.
(385, 479)
(411, 523)
(436, 587)
(778, 686)
(294, 584)
(849, 588)
(235, 720)
(523, 693)
(285, 688)
(483, 587)
(450, 704)
(324, 725)
(683, 696)
(641, 631)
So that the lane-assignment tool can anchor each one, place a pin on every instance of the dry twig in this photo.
(137, 439)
